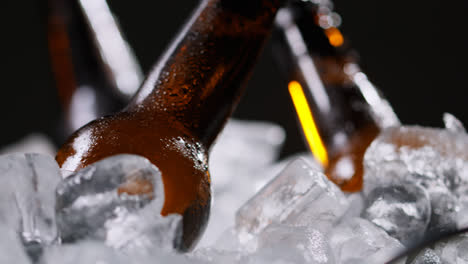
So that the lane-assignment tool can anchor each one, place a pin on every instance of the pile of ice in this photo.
(264, 211)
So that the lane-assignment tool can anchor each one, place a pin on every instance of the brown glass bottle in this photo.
(344, 110)
(95, 70)
(182, 106)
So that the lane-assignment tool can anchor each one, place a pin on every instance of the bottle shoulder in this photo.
(154, 136)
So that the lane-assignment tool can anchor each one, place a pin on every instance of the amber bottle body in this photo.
(182, 106)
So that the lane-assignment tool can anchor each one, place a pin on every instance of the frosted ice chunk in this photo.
(429, 156)
(94, 252)
(144, 230)
(436, 159)
(86, 252)
(453, 250)
(298, 196)
(27, 199)
(293, 245)
(427, 256)
(444, 211)
(117, 200)
(453, 124)
(361, 241)
(239, 165)
(11, 249)
(215, 255)
(462, 206)
(403, 211)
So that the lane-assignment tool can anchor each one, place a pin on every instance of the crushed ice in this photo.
(416, 186)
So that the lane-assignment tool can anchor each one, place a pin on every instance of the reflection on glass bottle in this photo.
(95, 70)
(340, 111)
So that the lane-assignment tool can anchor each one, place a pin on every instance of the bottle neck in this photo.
(342, 100)
(198, 81)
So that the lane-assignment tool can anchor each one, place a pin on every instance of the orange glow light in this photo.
(307, 122)
(335, 37)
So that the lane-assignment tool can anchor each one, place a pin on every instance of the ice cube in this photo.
(360, 241)
(429, 156)
(228, 200)
(427, 256)
(11, 249)
(436, 159)
(293, 245)
(27, 201)
(356, 206)
(117, 200)
(453, 124)
(444, 211)
(432, 157)
(239, 166)
(453, 250)
(403, 211)
(229, 240)
(298, 196)
(462, 207)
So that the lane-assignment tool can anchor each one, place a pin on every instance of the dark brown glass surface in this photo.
(348, 127)
(60, 51)
(182, 106)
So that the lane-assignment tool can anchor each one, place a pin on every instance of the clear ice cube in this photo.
(427, 256)
(117, 200)
(360, 241)
(229, 240)
(293, 245)
(239, 165)
(27, 202)
(299, 196)
(356, 206)
(403, 211)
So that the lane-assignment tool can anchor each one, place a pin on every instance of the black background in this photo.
(414, 51)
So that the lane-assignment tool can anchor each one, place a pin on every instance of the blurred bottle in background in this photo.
(95, 70)
(339, 109)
